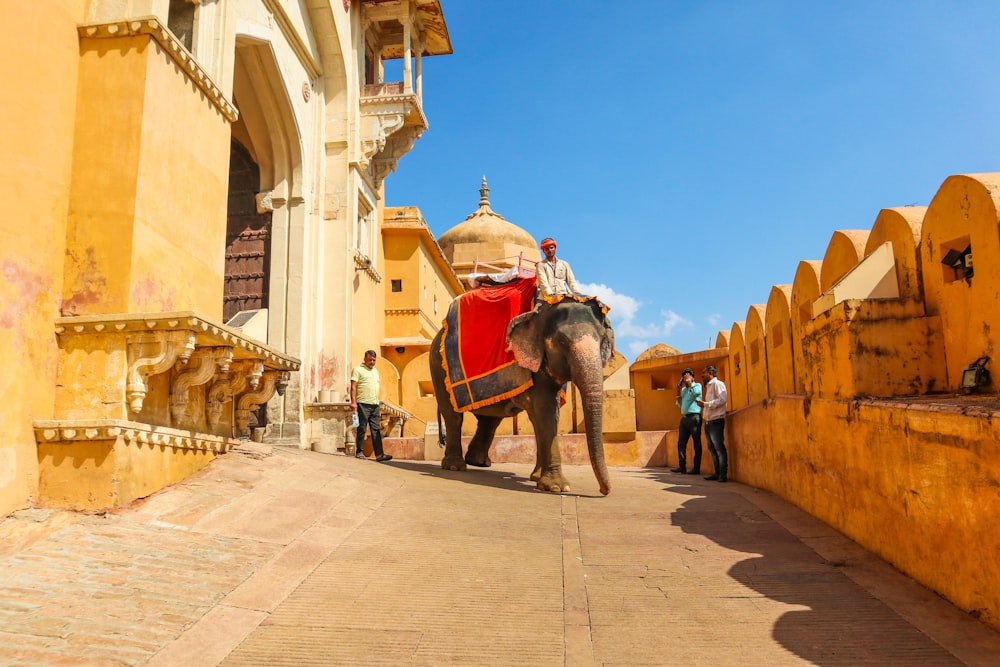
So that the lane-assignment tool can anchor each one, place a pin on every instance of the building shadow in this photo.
(838, 622)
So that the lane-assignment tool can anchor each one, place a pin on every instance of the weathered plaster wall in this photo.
(150, 179)
(38, 65)
(778, 342)
(964, 212)
(805, 290)
(901, 227)
(737, 386)
(756, 354)
(915, 483)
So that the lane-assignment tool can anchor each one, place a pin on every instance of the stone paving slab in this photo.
(301, 558)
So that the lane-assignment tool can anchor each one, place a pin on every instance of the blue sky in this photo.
(687, 155)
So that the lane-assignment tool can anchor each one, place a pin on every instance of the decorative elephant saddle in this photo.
(479, 371)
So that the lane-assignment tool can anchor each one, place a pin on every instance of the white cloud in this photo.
(672, 321)
(713, 319)
(624, 313)
(623, 307)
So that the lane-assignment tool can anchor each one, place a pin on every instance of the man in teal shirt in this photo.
(688, 396)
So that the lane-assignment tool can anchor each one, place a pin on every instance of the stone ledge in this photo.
(207, 333)
(55, 432)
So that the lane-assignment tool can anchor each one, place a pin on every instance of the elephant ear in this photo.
(525, 341)
(608, 339)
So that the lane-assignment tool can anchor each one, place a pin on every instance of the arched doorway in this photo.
(248, 238)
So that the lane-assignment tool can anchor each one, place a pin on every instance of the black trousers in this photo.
(369, 417)
(715, 437)
(690, 428)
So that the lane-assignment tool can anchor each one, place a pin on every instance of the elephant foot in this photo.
(536, 474)
(450, 463)
(479, 462)
(553, 484)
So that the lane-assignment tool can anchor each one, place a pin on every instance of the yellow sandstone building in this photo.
(198, 252)
(195, 250)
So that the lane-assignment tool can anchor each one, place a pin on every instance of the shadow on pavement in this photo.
(842, 623)
(489, 477)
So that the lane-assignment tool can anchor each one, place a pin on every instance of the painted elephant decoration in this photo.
(571, 340)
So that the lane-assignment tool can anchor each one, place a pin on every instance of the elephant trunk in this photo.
(586, 368)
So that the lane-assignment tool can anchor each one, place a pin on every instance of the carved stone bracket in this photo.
(151, 354)
(242, 374)
(250, 401)
(206, 363)
(149, 344)
(390, 124)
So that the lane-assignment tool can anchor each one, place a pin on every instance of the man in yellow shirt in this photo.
(364, 401)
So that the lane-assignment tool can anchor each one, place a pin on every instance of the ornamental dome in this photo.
(487, 237)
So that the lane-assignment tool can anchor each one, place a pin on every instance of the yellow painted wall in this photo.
(916, 484)
(654, 399)
(843, 252)
(150, 181)
(737, 386)
(965, 211)
(38, 65)
(756, 354)
(805, 290)
(111, 473)
(901, 227)
(872, 348)
(780, 367)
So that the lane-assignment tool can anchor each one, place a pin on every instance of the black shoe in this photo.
(712, 478)
(694, 471)
(723, 479)
(681, 470)
(383, 458)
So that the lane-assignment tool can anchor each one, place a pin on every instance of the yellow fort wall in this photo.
(915, 484)
(38, 65)
(901, 227)
(147, 220)
(756, 354)
(737, 385)
(877, 438)
(805, 290)
(778, 342)
(964, 212)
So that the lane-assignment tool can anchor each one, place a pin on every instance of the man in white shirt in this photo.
(714, 416)
(554, 276)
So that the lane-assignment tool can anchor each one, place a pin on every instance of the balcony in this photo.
(391, 121)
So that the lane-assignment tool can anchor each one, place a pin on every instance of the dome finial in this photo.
(484, 194)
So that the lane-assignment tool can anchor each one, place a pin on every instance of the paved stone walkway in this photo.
(301, 558)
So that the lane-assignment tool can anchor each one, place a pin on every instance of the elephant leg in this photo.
(548, 460)
(478, 453)
(453, 441)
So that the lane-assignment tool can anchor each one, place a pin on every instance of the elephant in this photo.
(571, 340)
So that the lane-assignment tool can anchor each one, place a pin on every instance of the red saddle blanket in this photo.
(478, 369)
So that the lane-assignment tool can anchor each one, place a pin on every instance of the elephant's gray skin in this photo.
(566, 341)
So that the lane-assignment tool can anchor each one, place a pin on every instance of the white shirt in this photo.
(715, 400)
(555, 278)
